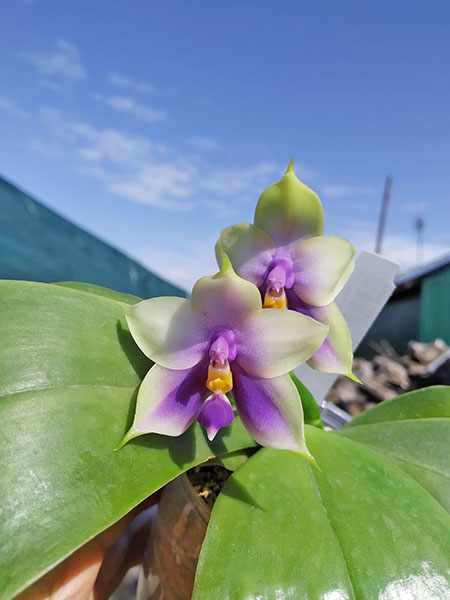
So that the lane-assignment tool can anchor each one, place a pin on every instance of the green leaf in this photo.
(426, 403)
(413, 431)
(69, 371)
(360, 528)
(91, 288)
(233, 460)
(311, 411)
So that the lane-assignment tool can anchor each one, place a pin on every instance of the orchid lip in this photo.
(216, 412)
(275, 298)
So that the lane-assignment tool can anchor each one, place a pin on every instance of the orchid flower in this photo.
(221, 341)
(294, 266)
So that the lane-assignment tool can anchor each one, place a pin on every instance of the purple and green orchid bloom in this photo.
(293, 265)
(217, 342)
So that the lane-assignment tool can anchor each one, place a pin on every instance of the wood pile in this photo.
(387, 374)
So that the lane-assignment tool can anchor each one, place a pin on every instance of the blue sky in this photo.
(155, 124)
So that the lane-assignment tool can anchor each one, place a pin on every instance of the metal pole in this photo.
(383, 215)
(419, 225)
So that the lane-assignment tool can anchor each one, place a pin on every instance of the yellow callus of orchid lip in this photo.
(274, 299)
(220, 378)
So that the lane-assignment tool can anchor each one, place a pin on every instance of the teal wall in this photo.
(398, 323)
(36, 244)
(435, 309)
(421, 314)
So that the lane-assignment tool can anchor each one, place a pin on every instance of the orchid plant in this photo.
(84, 370)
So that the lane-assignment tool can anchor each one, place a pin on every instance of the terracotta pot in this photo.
(174, 545)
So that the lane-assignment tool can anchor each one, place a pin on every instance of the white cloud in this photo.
(55, 126)
(54, 86)
(63, 63)
(132, 167)
(99, 145)
(132, 107)
(167, 185)
(181, 184)
(414, 207)
(126, 83)
(44, 148)
(441, 237)
(304, 173)
(113, 146)
(203, 143)
(138, 169)
(237, 180)
(341, 191)
(7, 105)
(181, 267)
(401, 247)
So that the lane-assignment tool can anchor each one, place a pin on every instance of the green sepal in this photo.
(289, 210)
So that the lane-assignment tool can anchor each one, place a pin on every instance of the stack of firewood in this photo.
(388, 374)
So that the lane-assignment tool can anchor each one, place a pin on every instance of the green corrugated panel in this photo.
(39, 245)
(435, 306)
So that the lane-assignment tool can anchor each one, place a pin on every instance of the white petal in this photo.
(275, 341)
(167, 331)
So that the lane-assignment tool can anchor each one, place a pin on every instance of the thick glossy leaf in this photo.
(91, 288)
(426, 403)
(233, 460)
(360, 528)
(69, 371)
(414, 431)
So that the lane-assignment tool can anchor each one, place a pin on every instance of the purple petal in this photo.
(322, 266)
(335, 354)
(215, 412)
(249, 249)
(274, 341)
(168, 331)
(270, 410)
(168, 400)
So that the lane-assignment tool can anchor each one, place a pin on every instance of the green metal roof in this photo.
(37, 244)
